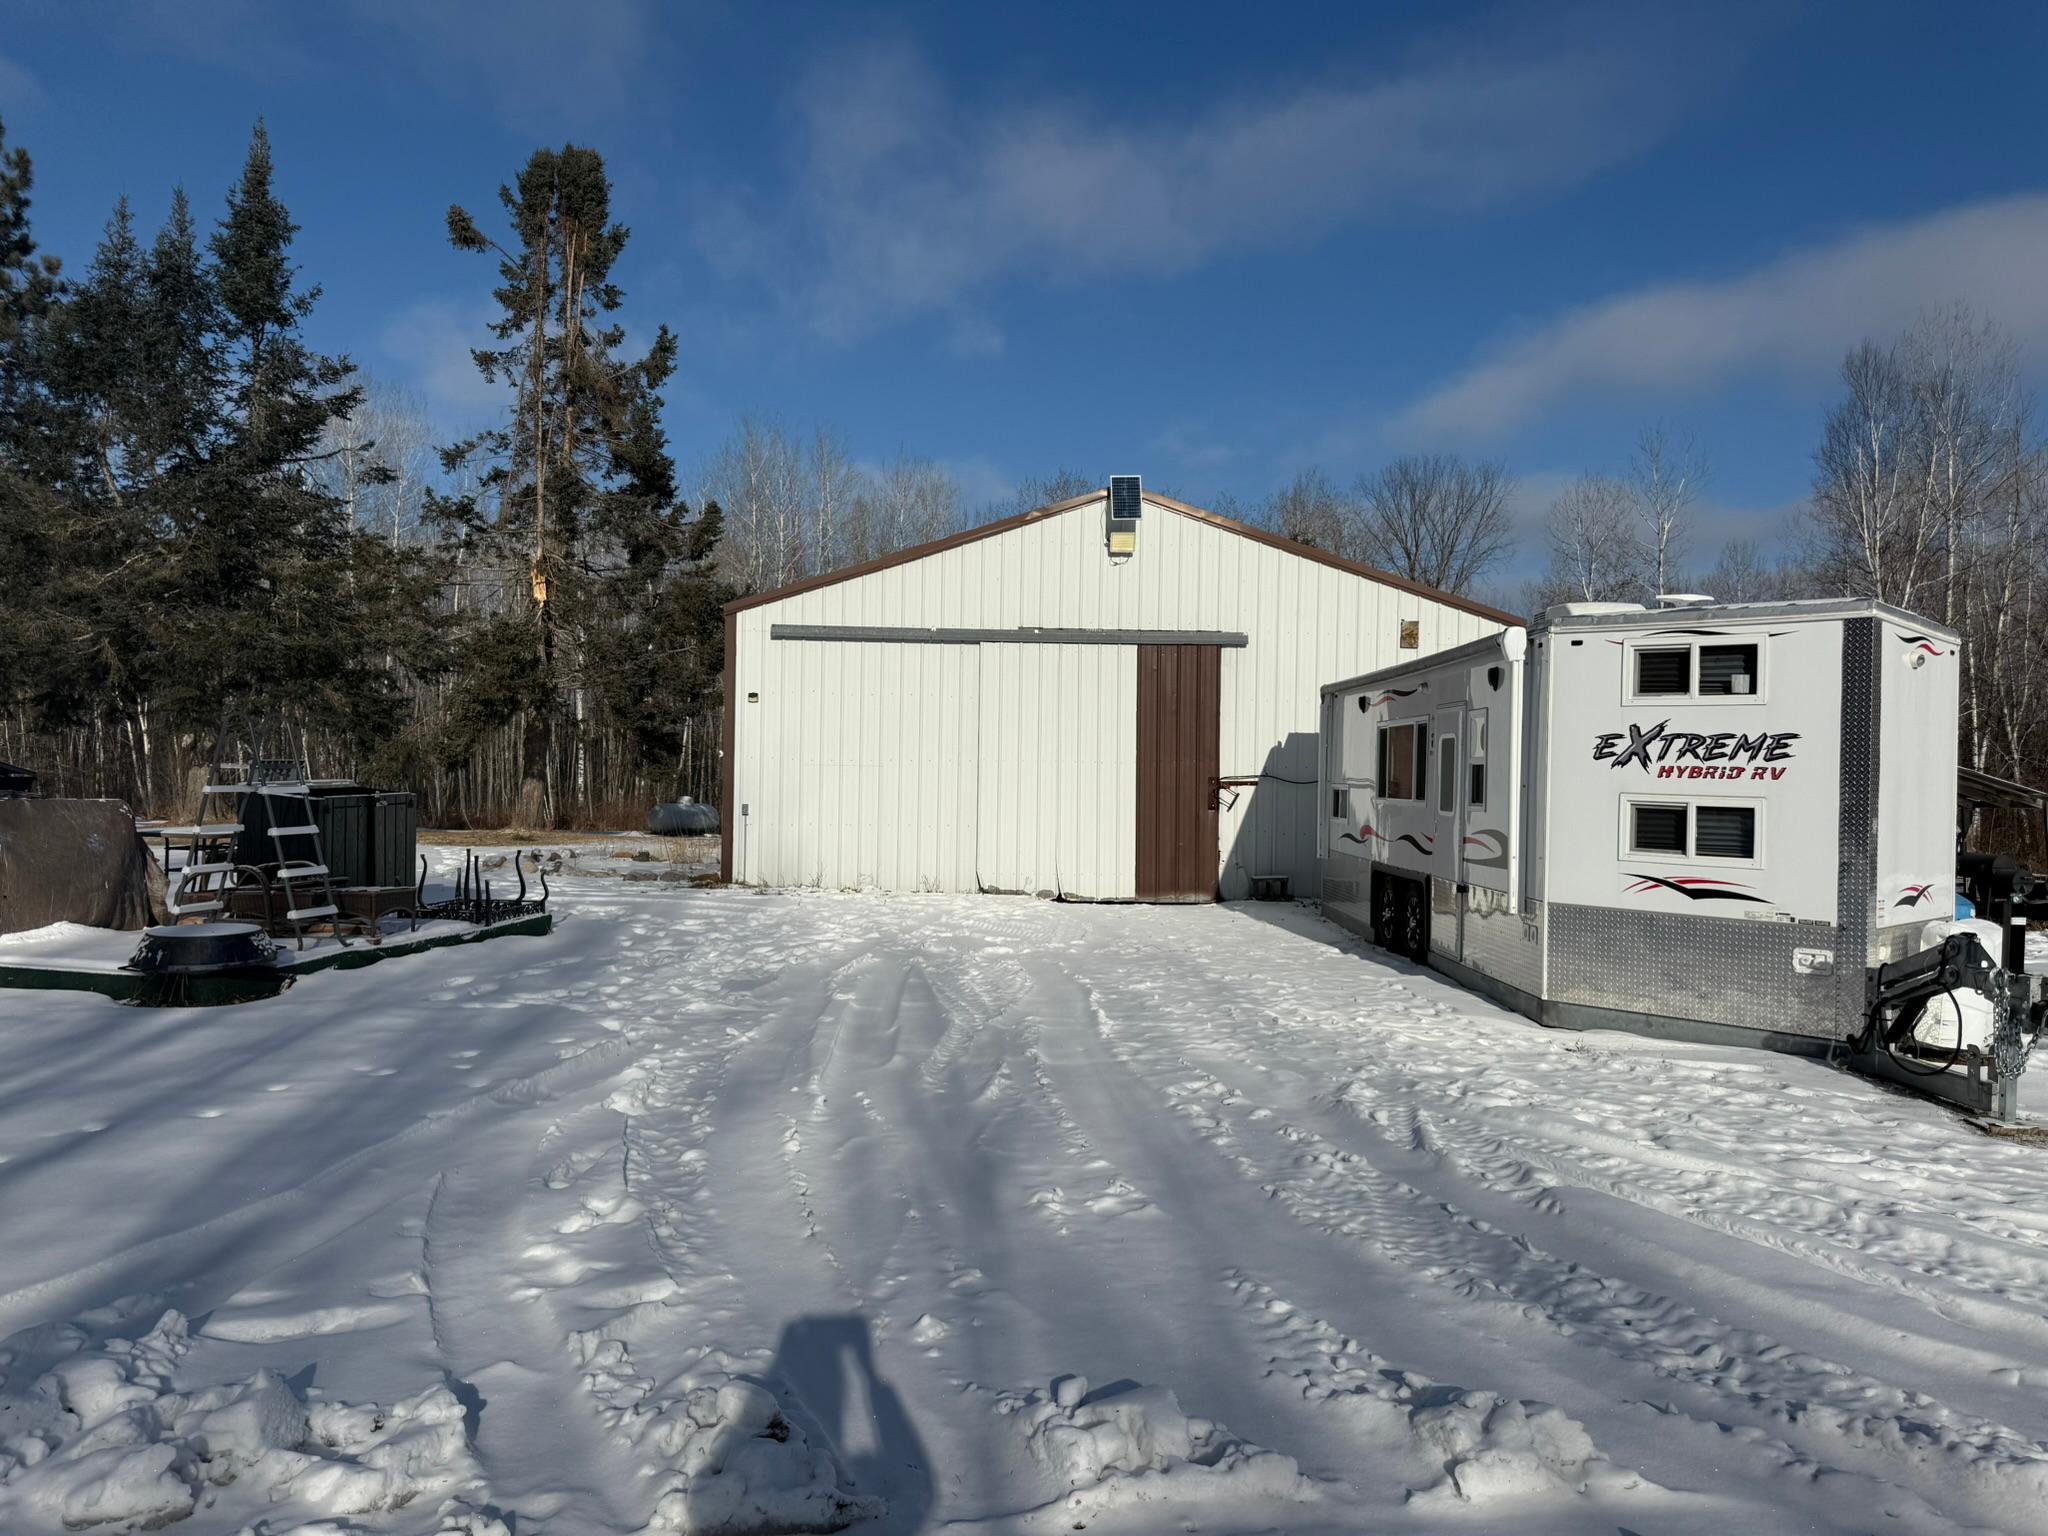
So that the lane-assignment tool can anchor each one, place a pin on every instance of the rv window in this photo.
(1404, 761)
(1724, 832)
(1446, 775)
(1657, 829)
(1726, 669)
(1475, 759)
(1664, 671)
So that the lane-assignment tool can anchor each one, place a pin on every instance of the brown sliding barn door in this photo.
(1178, 692)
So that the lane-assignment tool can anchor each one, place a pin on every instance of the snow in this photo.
(723, 1211)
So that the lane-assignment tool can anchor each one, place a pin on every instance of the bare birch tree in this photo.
(377, 461)
(1965, 389)
(793, 511)
(1664, 482)
(1865, 507)
(909, 501)
(1591, 535)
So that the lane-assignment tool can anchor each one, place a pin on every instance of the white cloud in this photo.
(907, 196)
(1795, 315)
(1193, 445)
(982, 484)
(20, 91)
(430, 341)
(973, 335)
(540, 64)
(531, 57)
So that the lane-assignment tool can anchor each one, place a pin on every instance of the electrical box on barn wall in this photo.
(1126, 503)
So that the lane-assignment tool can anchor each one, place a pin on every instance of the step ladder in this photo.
(316, 903)
(299, 864)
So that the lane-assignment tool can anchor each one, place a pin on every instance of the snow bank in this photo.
(745, 1467)
(103, 1437)
(1131, 1444)
(49, 933)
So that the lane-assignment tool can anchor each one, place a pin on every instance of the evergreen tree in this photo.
(262, 583)
(29, 285)
(28, 282)
(576, 495)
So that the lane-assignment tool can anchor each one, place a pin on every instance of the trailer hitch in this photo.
(1897, 994)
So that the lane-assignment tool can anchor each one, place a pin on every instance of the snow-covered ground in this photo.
(718, 1211)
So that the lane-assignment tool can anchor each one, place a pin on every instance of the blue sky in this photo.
(1211, 246)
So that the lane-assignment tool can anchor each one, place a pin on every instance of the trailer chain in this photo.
(2011, 1045)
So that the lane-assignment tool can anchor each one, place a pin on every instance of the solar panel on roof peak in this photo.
(1126, 496)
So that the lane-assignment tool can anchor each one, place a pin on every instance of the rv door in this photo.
(1447, 791)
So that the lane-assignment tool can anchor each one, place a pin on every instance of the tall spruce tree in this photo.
(267, 616)
(29, 506)
(575, 496)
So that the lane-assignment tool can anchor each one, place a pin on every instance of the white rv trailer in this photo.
(1713, 821)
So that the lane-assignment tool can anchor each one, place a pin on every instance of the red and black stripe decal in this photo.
(1692, 887)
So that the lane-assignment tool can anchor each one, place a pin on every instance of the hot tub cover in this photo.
(75, 861)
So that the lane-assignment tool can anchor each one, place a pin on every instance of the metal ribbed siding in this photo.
(1305, 624)
(1058, 801)
(861, 771)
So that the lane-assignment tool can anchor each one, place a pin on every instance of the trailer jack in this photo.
(1898, 994)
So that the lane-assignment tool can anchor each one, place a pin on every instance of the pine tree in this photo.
(28, 282)
(575, 489)
(262, 582)
(29, 286)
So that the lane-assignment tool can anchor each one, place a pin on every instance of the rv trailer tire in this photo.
(1415, 922)
(1386, 910)
(1400, 915)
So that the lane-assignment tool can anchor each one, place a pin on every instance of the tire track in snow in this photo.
(546, 1449)
(1888, 1248)
(1748, 1377)
(262, 1234)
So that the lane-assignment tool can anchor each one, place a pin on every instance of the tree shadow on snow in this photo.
(829, 1364)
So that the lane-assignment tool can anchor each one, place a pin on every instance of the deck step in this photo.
(186, 908)
(215, 829)
(300, 871)
(305, 831)
(201, 869)
(285, 791)
(300, 914)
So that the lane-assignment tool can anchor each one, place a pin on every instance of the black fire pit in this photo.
(202, 949)
(202, 964)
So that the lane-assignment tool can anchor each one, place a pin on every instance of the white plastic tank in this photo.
(1962, 1018)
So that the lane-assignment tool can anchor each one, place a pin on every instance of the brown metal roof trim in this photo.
(1022, 519)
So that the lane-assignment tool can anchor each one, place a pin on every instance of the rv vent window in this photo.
(1667, 671)
(1404, 761)
(1727, 669)
(1724, 832)
(1658, 829)
(1475, 758)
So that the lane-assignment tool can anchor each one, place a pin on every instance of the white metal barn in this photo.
(1111, 698)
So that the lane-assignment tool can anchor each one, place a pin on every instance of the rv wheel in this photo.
(1386, 911)
(1415, 922)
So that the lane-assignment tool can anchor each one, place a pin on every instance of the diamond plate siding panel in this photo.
(1681, 966)
(1445, 935)
(1346, 889)
(1856, 882)
(1507, 946)
(1678, 965)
